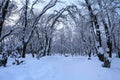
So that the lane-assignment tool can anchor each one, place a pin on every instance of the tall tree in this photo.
(4, 4)
(51, 4)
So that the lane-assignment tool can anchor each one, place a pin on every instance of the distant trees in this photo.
(96, 22)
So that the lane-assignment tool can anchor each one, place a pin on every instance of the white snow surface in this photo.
(61, 68)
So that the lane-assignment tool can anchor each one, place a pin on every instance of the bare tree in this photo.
(35, 22)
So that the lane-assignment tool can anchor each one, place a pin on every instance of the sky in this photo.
(59, 5)
(40, 6)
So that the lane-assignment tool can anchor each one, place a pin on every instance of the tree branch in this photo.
(6, 35)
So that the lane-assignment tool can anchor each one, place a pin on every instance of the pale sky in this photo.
(41, 5)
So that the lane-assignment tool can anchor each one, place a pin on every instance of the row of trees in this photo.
(96, 25)
(90, 27)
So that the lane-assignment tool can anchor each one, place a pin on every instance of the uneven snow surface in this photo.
(61, 68)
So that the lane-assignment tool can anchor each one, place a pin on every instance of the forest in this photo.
(45, 28)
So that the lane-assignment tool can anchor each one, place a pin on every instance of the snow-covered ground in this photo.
(61, 68)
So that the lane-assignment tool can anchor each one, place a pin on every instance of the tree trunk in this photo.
(119, 54)
(24, 50)
(106, 27)
(3, 13)
(98, 33)
(94, 20)
(110, 49)
(49, 47)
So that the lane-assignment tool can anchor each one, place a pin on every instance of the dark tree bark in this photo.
(119, 53)
(3, 13)
(24, 50)
(25, 21)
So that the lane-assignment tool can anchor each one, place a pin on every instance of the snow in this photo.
(101, 50)
(61, 68)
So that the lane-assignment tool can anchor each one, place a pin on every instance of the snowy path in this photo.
(61, 68)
